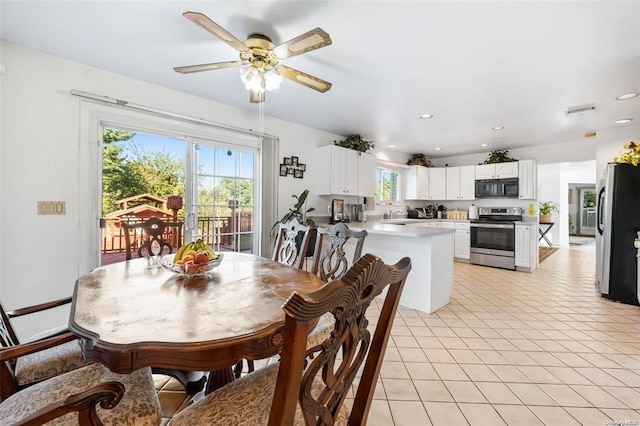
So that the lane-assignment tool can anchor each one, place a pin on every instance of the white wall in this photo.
(40, 155)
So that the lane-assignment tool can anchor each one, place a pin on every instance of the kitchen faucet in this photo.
(394, 213)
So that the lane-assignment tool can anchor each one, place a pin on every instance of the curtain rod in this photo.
(183, 117)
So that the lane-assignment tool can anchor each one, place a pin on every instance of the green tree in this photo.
(119, 179)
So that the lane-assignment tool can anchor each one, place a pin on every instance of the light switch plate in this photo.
(52, 207)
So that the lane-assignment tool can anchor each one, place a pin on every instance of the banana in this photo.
(203, 246)
(184, 248)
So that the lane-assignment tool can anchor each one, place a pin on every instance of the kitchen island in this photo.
(430, 282)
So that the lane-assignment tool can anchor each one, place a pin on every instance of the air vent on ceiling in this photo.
(581, 109)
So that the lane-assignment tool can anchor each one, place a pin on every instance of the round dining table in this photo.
(138, 313)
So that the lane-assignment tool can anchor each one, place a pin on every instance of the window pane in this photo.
(387, 185)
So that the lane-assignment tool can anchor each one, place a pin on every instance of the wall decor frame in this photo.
(292, 166)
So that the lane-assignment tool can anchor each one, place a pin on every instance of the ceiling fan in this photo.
(259, 63)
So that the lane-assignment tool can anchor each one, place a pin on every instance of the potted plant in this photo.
(419, 160)
(546, 208)
(356, 142)
(299, 212)
(499, 156)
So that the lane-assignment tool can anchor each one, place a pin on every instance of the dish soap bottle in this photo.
(531, 210)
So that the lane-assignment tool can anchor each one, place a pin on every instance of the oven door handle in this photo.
(486, 225)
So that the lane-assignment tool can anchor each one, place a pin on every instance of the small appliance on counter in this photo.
(337, 212)
(417, 213)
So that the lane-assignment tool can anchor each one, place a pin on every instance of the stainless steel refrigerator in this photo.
(618, 224)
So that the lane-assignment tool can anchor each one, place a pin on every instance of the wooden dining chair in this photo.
(292, 240)
(332, 263)
(150, 241)
(50, 353)
(297, 392)
(73, 398)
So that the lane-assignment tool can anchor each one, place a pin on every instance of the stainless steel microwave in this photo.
(497, 188)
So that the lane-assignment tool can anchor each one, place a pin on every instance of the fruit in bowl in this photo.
(195, 258)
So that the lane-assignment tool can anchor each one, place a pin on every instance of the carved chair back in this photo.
(8, 338)
(342, 354)
(151, 236)
(291, 244)
(333, 264)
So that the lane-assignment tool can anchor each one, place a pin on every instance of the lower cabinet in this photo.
(523, 246)
(462, 241)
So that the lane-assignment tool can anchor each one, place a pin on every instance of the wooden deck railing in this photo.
(215, 231)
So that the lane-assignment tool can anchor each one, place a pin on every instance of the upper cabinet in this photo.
(497, 170)
(437, 183)
(416, 186)
(527, 180)
(460, 183)
(348, 172)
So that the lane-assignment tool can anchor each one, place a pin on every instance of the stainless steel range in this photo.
(493, 236)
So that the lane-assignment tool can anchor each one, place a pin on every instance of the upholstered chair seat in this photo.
(38, 366)
(139, 405)
(254, 393)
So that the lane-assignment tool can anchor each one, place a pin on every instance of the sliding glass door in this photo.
(222, 196)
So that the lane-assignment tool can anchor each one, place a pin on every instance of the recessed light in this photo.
(426, 116)
(497, 128)
(626, 96)
(624, 121)
(392, 146)
(437, 149)
(484, 144)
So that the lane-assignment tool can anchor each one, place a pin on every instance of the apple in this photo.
(202, 257)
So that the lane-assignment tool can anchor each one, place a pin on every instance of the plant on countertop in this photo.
(356, 142)
(631, 155)
(546, 207)
(419, 160)
(499, 156)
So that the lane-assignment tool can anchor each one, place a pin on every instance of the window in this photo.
(387, 185)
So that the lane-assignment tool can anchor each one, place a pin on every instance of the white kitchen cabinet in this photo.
(348, 172)
(367, 164)
(460, 183)
(416, 183)
(462, 240)
(523, 246)
(437, 183)
(527, 179)
(497, 170)
(434, 224)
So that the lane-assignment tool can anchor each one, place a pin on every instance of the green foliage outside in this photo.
(136, 171)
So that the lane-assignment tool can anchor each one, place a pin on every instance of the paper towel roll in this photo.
(473, 212)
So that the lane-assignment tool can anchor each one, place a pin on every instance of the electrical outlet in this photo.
(52, 207)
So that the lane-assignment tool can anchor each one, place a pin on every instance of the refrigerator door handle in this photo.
(599, 211)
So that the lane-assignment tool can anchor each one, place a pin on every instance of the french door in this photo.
(221, 195)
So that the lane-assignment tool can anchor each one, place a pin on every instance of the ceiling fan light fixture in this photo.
(272, 79)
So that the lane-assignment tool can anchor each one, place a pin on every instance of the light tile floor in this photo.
(514, 348)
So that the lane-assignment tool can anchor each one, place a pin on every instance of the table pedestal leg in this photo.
(219, 378)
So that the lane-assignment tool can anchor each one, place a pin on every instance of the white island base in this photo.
(430, 282)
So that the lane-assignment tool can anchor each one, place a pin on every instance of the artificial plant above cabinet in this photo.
(346, 172)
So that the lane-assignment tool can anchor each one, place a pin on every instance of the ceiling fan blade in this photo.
(310, 81)
(215, 29)
(207, 67)
(311, 40)
(256, 97)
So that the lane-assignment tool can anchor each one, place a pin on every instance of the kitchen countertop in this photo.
(385, 228)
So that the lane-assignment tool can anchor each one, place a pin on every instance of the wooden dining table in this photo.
(137, 313)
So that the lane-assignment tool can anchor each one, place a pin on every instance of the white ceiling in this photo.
(474, 65)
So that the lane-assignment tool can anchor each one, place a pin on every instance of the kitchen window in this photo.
(387, 185)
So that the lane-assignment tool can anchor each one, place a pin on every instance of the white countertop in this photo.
(382, 228)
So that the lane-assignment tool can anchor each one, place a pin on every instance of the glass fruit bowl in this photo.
(194, 269)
